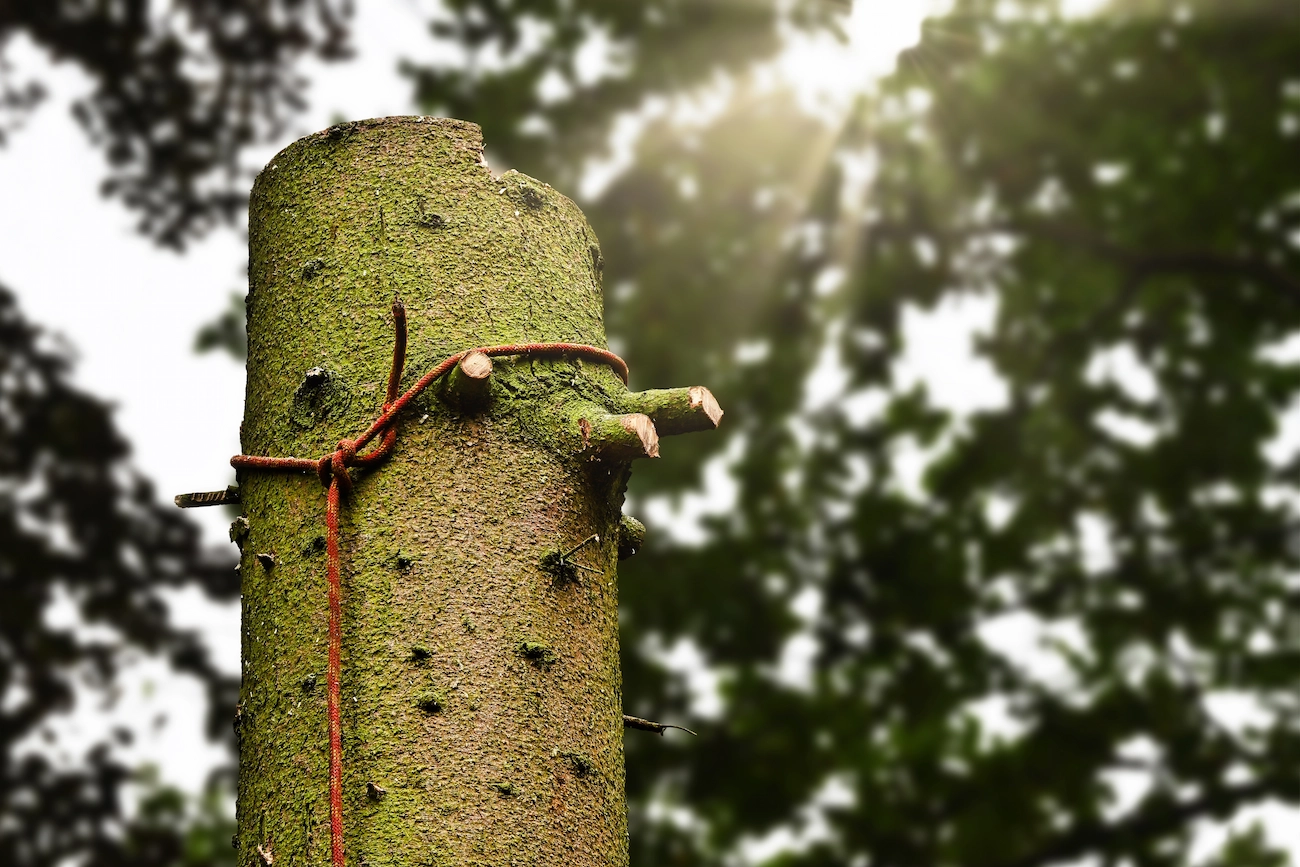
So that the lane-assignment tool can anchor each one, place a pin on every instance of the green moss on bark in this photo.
(450, 531)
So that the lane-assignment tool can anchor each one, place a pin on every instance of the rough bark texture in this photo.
(481, 694)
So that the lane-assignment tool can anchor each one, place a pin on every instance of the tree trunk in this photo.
(481, 711)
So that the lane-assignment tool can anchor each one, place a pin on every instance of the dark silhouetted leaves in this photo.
(79, 528)
(178, 92)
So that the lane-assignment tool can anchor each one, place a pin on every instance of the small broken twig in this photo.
(645, 725)
(594, 537)
(562, 568)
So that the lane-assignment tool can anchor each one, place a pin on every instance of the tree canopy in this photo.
(178, 93)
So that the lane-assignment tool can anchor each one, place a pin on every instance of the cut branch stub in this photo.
(650, 414)
(619, 437)
(631, 536)
(677, 410)
(466, 387)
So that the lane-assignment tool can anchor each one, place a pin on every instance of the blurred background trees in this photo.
(180, 90)
(86, 551)
(1045, 618)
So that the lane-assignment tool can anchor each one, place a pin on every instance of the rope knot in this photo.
(335, 465)
(342, 458)
(347, 449)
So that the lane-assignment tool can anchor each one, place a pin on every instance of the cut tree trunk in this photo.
(481, 707)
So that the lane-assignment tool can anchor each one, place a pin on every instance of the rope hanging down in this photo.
(333, 472)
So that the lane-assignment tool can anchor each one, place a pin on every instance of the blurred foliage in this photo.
(86, 555)
(169, 827)
(1249, 849)
(1122, 192)
(226, 333)
(179, 89)
(548, 79)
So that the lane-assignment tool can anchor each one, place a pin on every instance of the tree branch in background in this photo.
(177, 97)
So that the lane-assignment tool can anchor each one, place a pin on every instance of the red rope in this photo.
(333, 471)
(335, 667)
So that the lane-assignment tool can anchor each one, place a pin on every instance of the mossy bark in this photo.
(482, 718)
